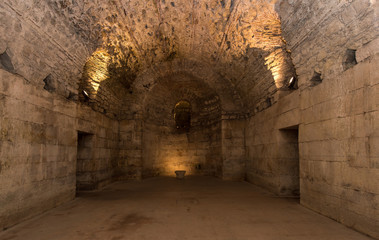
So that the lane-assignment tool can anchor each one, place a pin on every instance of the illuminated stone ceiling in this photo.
(234, 46)
(234, 39)
(119, 50)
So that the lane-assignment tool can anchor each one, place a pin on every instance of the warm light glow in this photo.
(275, 63)
(95, 85)
(174, 163)
(97, 68)
(183, 104)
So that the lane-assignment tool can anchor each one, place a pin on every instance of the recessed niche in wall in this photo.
(350, 59)
(316, 78)
(289, 162)
(182, 115)
(6, 62)
(50, 84)
(84, 179)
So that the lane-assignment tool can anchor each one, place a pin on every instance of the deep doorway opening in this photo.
(290, 164)
(84, 162)
(182, 115)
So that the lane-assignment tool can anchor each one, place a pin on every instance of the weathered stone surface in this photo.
(114, 70)
(319, 34)
(39, 149)
(338, 128)
(165, 148)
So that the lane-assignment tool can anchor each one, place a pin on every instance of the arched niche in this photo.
(182, 115)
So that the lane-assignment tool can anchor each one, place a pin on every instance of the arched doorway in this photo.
(182, 115)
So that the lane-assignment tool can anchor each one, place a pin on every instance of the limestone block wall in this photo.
(335, 52)
(166, 150)
(129, 165)
(41, 58)
(101, 152)
(165, 145)
(196, 150)
(42, 46)
(319, 34)
(336, 158)
(339, 147)
(271, 147)
(215, 151)
(233, 147)
(38, 148)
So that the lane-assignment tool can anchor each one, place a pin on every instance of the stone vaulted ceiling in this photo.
(234, 46)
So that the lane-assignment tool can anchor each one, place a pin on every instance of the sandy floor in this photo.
(167, 208)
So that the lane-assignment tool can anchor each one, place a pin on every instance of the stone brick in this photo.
(232, 63)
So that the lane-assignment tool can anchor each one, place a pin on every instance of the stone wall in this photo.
(166, 148)
(130, 146)
(233, 147)
(319, 34)
(41, 59)
(336, 158)
(229, 61)
(101, 155)
(272, 159)
(334, 48)
(38, 143)
(41, 46)
(338, 147)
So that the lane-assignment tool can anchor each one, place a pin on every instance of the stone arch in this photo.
(201, 72)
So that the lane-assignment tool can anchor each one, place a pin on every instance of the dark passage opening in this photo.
(84, 164)
(182, 115)
(289, 165)
(316, 79)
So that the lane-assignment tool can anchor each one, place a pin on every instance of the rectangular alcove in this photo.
(84, 179)
(289, 162)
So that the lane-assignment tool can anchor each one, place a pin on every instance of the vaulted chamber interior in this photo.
(93, 92)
